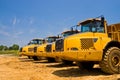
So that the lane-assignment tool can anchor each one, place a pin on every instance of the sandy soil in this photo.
(21, 68)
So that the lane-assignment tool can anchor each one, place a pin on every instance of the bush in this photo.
(14, 52)
(13, 47)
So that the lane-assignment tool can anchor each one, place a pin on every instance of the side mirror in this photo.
(71, 28)
(29, 43)
(102, 18)
(58, 36)
(102, 21)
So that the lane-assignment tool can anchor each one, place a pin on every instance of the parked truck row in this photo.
(95, 42)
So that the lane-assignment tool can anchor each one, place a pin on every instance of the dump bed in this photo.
(114, 31)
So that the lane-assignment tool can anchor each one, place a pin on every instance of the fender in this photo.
(112, 44)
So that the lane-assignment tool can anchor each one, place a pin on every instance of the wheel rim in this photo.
(115, 61)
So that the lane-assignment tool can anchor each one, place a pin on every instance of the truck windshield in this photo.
(92, 26)
(51, 39)
(68, 33)
(35, 41)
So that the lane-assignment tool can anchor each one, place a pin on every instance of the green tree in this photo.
(10, 48)
(5, 48)
(15, 47)
(1, 47)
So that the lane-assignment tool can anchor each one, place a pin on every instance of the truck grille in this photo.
(30, 49)
(59, 45)
(86, 43)
(35, 49)
(48, 48)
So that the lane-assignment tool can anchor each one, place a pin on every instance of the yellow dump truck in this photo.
(40, 50)
(96, 43)
(50, 48)
(28, 50)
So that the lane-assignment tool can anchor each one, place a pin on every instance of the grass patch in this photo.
(14, 52)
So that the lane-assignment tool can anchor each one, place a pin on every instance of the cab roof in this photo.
(68, 31)
(89, 20)
(52, 37)
(37, 39)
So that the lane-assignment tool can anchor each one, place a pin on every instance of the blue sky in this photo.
(23, 20)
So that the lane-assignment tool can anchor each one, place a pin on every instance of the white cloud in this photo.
(14, 21)
(31, 21)
(32, 30)
(19, 33)
(4, 33)
(2, 27)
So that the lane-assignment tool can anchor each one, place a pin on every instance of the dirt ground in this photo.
(22, 68)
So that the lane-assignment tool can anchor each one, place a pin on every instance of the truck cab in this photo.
(84, 45)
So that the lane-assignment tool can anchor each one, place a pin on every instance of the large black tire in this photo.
(111, 61)
(85, 65)
(66, 62)
(35, 58)
(51, 59)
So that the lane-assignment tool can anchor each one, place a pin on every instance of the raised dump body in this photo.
(114, 31)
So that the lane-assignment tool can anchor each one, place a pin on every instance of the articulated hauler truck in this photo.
(96, 43)
(28, 50)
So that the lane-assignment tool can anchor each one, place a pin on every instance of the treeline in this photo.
(5, 48)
